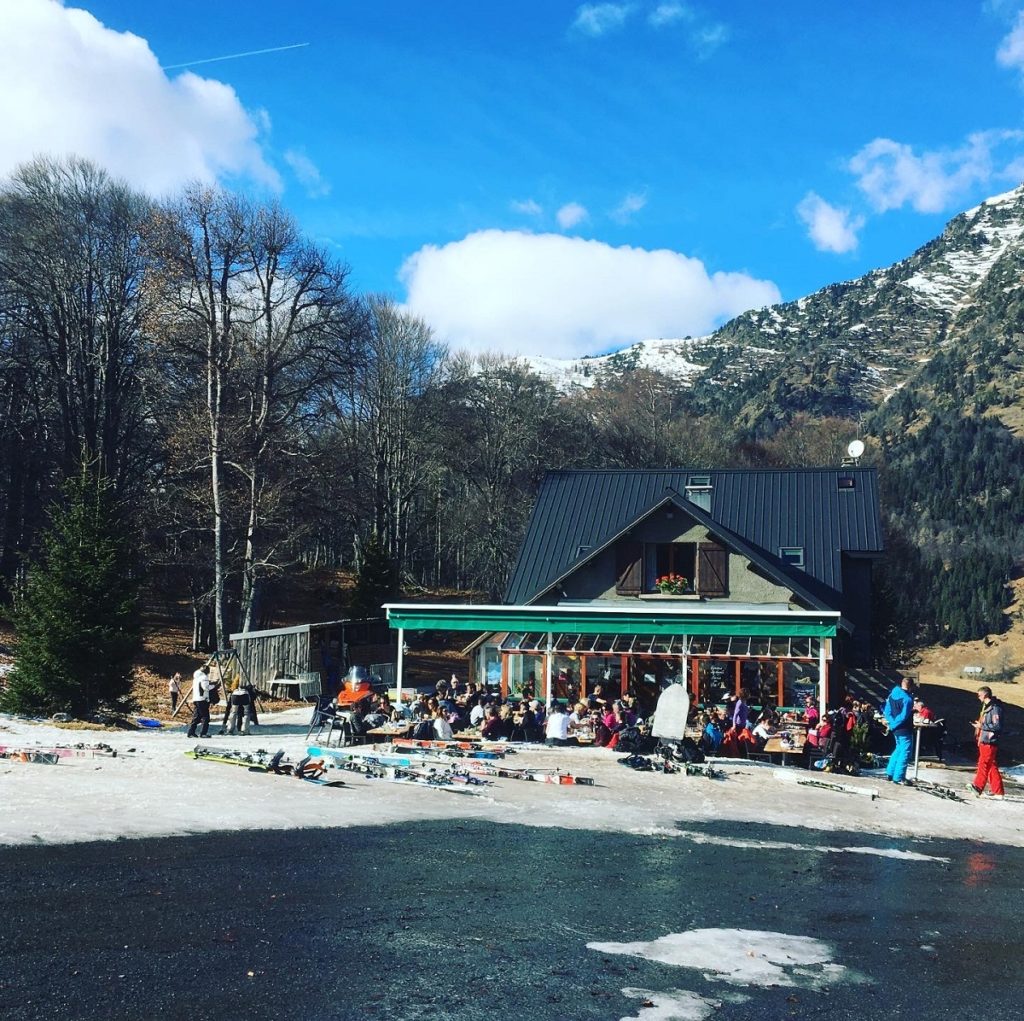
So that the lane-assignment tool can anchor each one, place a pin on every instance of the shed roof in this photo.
(300, 629)
(579, 511)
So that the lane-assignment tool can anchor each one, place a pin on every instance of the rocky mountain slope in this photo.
(846, 348)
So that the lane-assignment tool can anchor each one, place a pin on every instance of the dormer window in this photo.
(793, 555)
(698, 491)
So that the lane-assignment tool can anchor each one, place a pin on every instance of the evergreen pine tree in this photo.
(377, 581)
(78, 624)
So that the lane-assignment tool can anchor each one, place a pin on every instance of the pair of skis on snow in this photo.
(306, 769)
(455, 749)
(52, 754)
(536, 775)
(418, 766)
(401, 769)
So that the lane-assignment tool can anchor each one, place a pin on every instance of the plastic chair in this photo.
(325, 714)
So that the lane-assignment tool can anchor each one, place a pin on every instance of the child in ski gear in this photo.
(987, 729)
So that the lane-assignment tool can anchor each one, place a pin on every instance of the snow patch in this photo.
(675, 1005)
(742, 957)
(780, 845)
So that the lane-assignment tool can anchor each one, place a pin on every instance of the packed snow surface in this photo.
(153, 789)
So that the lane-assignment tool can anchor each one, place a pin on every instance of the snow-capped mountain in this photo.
(850, 345)
(671, 357)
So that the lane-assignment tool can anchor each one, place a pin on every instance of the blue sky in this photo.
(546, 176)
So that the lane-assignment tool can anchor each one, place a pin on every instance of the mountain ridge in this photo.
(849, 346)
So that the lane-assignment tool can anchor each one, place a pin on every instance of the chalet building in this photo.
(717, 579)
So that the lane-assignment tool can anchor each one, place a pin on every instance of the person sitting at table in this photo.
(844, 759)
(442, 728)
(922, 714)
(508, 719)
(710, 734)
(476, 711)
(524, 723)
(379, 713)
(767, 726)
(610, 724)
(730, 746)
(745, 741)
(628, 703)
(822, 733)
(556, 730)
(615, 722)
(579, 718)
(375, 718)
(423, 730)
(539, 712)
(493, 727)
(457, 717)
(533, 721)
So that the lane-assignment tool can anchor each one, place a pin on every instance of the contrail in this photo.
(234, 56)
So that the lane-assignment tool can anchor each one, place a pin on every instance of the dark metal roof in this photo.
(578, 512)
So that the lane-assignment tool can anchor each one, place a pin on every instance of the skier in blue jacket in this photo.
(899, 714)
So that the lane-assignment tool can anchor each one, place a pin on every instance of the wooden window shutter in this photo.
(712, 569)
(629, 568)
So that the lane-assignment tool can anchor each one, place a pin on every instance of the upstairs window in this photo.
(698, 491)
(793, 555)
(673, 558)
(705, 566)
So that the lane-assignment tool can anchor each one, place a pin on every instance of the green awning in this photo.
(607, 620)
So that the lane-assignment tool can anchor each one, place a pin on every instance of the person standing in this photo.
(240, 705)
(174, 690)
(987, 729)
(200, 704)
(899, 714)
(740, 712)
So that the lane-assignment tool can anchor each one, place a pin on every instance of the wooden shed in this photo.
(313, 653)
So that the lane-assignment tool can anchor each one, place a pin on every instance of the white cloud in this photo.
(570, 215)
(307, 173)
(708, 38)
(70, 85)
(669, 14)
(891, 175)
(565, 297)
(830, 228)
(599, 19)
(527, 207)
(704, 36)
(631, 204)
(1011, 49)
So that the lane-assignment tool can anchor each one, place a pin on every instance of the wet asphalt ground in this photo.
(482, 921)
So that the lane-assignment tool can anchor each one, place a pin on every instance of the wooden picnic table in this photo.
(390, 730)
(794, 746)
